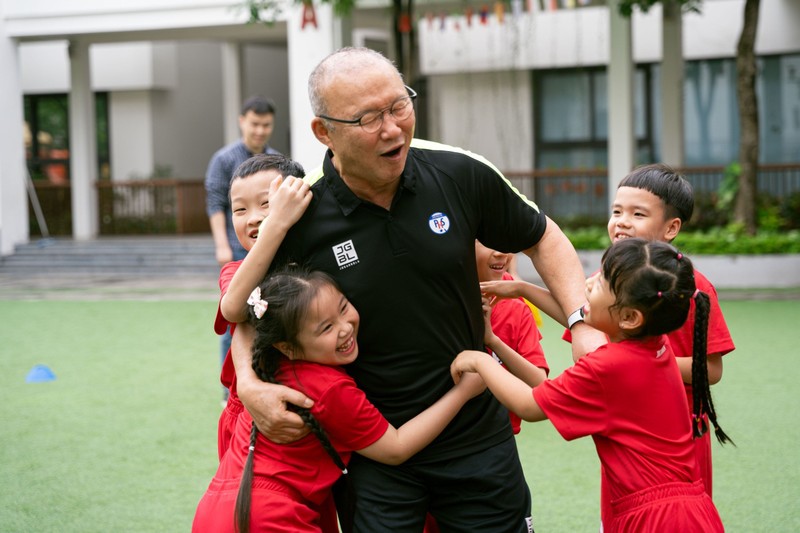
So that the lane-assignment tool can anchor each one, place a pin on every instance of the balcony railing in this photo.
(177, 206)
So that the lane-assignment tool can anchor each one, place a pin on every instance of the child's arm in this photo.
(515, 363)
(538, 296)
(714, 362)
(288, 199)
(266, 402)
(511, 391)
(397, 445)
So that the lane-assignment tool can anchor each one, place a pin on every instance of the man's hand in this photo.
(266, 403)
(586, 339)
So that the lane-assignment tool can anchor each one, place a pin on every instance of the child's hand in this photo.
(471, 384)
(501, 288)
(288, 199)
(468, 361)
(488, 333)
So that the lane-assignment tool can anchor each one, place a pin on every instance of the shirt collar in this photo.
(348, 201)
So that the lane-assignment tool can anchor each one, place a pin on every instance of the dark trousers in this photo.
(484, 492)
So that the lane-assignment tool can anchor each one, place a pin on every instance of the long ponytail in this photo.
(702, 403)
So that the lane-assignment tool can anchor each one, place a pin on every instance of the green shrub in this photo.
(728, 240)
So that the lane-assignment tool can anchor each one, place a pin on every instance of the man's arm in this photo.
(558, 264)
(222, 249)
(266, 402)
(217, 184)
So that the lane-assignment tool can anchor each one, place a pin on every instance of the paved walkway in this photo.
(108, 287)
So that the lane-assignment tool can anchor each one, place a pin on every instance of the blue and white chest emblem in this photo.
(345, 254)
(439, 223)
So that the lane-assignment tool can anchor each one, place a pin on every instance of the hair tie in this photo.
(680, 256)
(259, 305)
(695, 293)
(660, 294)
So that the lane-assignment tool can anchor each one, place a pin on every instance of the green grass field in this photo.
(124, 439)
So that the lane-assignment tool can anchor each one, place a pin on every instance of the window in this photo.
(572, 117)
(47, 141)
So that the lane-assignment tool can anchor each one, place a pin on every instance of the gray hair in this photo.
(345, 61)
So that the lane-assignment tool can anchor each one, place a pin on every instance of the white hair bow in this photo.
(259, 305)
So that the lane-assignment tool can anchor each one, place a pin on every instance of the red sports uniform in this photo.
(227, 420)
(292, 482)
(629, 397)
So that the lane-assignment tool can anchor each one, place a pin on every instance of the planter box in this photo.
(777, 271)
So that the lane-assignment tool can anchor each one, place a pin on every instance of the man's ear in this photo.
(672, 229)
(285, 348)
(630, 319)
(321, 131)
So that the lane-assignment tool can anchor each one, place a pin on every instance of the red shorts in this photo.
(227, 423)
(684, 507)
(274, 507)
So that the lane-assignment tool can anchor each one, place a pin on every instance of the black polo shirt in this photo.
(410, 272)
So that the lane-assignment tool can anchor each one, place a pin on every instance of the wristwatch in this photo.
(575, 317)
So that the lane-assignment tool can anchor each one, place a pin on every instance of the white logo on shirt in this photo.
(661, 351)
(345, 254)
(439, 223)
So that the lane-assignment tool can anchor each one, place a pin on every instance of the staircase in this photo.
(128, 256)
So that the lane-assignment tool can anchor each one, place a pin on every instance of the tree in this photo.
(745, 206)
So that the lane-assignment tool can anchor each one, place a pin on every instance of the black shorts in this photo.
(484, 492)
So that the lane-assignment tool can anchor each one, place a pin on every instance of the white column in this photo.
(672, 85)
(13, 199)
(307, 46)
(231, 89)
(621, 154)
(82, 144)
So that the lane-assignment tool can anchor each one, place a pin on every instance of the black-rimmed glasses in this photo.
(371, 121)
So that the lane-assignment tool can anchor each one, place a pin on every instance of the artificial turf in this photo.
(124, 439)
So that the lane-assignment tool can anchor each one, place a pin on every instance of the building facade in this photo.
(125, 89)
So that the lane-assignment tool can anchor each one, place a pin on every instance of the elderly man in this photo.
(394, 221)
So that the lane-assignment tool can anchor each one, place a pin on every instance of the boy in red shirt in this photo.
(263, 184)
(654, 202)
(512, 319)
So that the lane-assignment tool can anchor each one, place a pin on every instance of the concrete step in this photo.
(130, 255)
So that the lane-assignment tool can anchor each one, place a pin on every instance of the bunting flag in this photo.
(429, 17)
(442, 20)
(309, 15)
(516, 9)
(469, 12)
(404, 23)
(484, 13)
(499, 11)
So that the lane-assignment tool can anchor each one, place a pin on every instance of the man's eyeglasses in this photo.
(371, 121)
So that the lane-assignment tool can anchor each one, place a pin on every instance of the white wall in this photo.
(130, 134)
(188, 120)
(38, 18)
(579, 37)
(13, 200)
(266, 72)
(487, 113)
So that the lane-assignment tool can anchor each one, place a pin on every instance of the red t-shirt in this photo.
(342, 409)
(629, 397)
(228, 374)
(719, 338)
(514, 324)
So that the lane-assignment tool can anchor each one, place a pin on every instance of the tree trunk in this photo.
(745, 208)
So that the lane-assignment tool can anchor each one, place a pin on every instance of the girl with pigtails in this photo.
(305, 330)
(627, 395)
